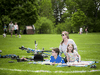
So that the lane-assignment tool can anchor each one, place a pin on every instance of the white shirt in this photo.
(80, 29)
(15, 27)
(11, 25)
(63, 47)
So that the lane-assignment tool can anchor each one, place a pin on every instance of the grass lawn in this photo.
(88, 47)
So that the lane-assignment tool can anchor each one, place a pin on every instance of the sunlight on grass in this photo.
(88, 47)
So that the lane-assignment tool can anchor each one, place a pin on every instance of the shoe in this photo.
(93, 66)
(18, 59)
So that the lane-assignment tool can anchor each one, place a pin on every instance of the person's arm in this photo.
(62, 60)
(67, 57)
(13, 27)
(52, 59)
(75, 46)
(17, 27)
(78, 57)
(60, 53)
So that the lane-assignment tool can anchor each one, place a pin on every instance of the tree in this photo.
(5, 19)
(44, 25)
(57, 6)
(24, 12)
(78, 19)
(45, 9)
(91, 8)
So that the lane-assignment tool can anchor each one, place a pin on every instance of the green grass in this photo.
(88, 47)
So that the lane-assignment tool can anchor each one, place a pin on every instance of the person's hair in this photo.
(67, 34)
(72, 46)
(56, 50)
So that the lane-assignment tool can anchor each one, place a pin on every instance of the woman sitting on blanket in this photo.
(71, 55)
(63, 45)
(55, 58)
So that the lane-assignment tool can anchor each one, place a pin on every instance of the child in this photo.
(4, 35)
(5, 31)
(71, 55)
(55, 58)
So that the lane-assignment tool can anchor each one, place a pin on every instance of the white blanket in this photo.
(77, 64)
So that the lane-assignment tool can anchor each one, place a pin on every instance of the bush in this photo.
(64, 26)
(44, 25)
(1, 28)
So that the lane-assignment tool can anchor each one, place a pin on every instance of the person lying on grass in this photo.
(55, 58)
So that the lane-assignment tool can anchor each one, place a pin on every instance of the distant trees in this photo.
(24, 12)
(91, 9)
(78, 13)
(44, 26)
(78, 20)
(45, 9)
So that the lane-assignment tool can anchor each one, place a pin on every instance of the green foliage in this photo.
(64, 26)
(45, 9)
(68, 25)
(90, 24)
(97, 26)
(24, 12)
(90, 9)
(71, 6)
(6, 19)
(60, 27)
(44, 25)
(78, 19)
(65, 16)
(57, 6)
(1, 28)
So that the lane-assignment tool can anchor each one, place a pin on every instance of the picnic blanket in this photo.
(76, 64)
(46, 62)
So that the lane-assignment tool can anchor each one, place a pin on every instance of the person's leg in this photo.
(23, 59)
(6, 33)
(15, 33)
(11, 33)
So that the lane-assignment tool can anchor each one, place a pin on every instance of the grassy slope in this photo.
(88, 48)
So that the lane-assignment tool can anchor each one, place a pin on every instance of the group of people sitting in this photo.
(68, 47)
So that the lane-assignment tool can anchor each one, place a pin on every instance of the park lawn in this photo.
(88, 47)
